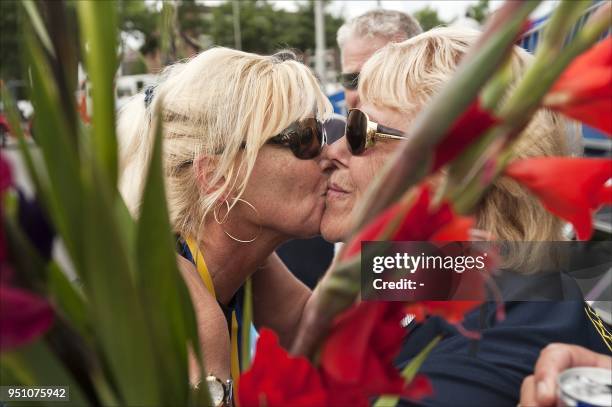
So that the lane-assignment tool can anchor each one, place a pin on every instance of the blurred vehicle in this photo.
(18, 90)
(125, 87)
(129, 85)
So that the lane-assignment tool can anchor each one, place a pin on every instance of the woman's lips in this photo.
(334, 191)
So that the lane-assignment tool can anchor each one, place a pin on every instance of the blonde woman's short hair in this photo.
(404, 76)
(222, 105)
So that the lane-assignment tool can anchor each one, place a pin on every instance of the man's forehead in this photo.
(356, 51)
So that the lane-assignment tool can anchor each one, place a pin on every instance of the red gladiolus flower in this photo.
(23, 317)
(457, 230)
(375, 228)
(584, 90)
(277, 379)
(605, 196)
(357, 357)
(419, 223)
(468, 127)
(6, 180)
(571, 188)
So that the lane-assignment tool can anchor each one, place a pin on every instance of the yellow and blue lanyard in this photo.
(198, 260)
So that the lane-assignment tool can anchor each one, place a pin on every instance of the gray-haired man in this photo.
(360, 37)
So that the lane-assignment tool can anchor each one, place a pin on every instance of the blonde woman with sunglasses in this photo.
(394, 85)
(242, 138)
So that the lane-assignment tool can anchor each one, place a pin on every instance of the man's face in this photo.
(355, 53)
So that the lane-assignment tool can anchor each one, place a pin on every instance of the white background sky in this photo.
(447, 9)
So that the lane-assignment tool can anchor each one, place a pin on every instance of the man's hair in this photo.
(389, 24)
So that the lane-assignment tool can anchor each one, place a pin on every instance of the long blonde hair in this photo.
(404, 76)
(213, 105)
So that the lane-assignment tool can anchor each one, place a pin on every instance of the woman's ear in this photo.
(204, 167)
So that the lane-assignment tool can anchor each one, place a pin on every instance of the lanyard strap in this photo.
(200, 264)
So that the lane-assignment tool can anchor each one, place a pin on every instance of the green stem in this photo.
(409, 372)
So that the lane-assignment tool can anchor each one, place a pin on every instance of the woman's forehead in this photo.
(386, 116)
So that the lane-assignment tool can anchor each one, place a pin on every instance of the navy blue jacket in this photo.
(489, 372)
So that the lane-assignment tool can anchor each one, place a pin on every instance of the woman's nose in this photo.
(335, 154)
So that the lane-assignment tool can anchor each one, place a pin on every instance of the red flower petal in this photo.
(357, 356)
(422, 222)
(374, 229)
(6, 180)
(584, 90)
(418, 388)
(457, 230)
(277, 379)
(571, 188)
(23, 317)
(605, 197)
(452, 311)
(468, 127)
(419, 223)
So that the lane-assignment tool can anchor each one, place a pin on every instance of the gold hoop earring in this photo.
(221, 222)
(216, 216)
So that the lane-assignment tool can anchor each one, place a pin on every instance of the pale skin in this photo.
(288, 195)
(540, 388)
(354, 53)
(350, 176)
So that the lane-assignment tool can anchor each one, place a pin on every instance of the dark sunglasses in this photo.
(361, 133)
(349, 81)
(305, 138)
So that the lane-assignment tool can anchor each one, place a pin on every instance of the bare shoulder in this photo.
(212, 325)
(190, 274)
(203, 301)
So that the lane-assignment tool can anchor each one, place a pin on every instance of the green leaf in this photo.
(409, 372)
(38, 25)
(98, 22)
(247, 321)
(69, 299)
(25, 258)
(35, 365)
(167, 25)
(560, 23)
(117, 312)
(171, 317)
(127, 226)
(61, 162)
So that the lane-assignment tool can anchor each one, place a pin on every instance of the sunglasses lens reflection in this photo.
(309, 140)
(356, 129)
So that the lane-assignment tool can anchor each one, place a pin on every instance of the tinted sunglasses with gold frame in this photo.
(362, 133)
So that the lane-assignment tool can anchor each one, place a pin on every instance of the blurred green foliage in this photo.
(428, 18)
(122, 328)
(10, 68)
(478, 11)
(266, 29)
